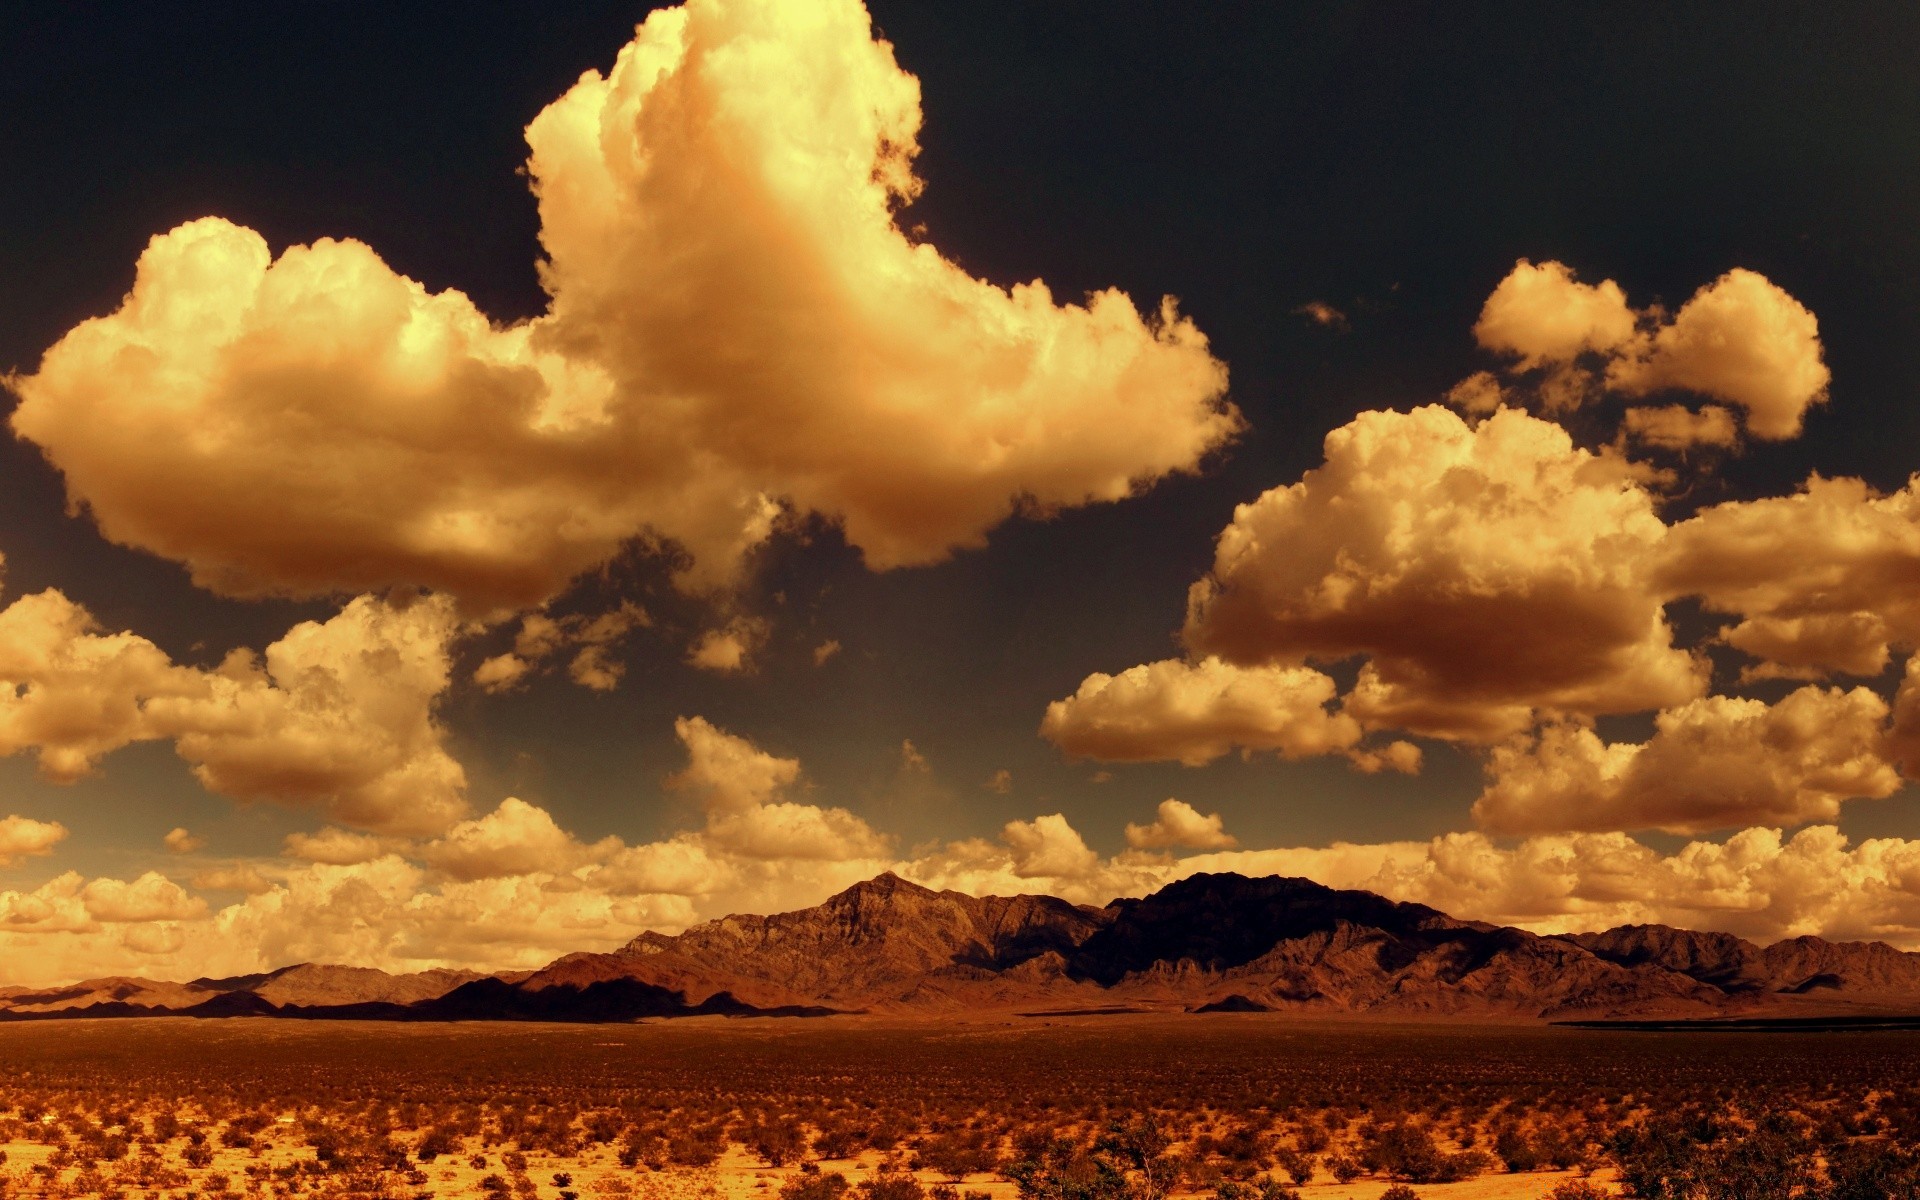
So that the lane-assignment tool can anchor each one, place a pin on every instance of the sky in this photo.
(484, 482)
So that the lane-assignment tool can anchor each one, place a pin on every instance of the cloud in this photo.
(1676, 427)
(241, 878)
(1489, 581)
(384, 913)
(824, 651)
(742, 790)
(1740, 339)
(1903, 737)
(337, 716)
(516, 838)
(74, 694)
(1715, 763)
(738, 327)
(542, 636)
(1542, 315)
(912, 761)
(338, 847)
(1194, 713)
(1484, 572)
(152, 897)
(180, 841)
(1000, 782)
(1478, 394)
(24, 837)
(729, 650)
(1756, 883)
(1824, 579)
(1048, 847)
(1178, 823)
(1324, 315)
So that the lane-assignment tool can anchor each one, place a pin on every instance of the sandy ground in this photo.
(597, 1174)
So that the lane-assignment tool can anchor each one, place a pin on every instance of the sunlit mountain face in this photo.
(487, 484)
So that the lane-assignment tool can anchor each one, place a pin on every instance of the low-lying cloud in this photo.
(337, 716)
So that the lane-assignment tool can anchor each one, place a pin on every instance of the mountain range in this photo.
(1219, 942)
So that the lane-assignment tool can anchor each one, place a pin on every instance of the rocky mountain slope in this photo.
(1207, 943)
(306, 984)
(1797, 966)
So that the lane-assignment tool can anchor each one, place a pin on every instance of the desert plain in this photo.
(1236, 1106)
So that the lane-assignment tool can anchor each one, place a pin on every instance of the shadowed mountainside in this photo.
(1209, 943)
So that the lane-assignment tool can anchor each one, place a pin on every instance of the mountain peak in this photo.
(886, 883)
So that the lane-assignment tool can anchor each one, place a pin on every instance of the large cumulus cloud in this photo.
(1196, 712)
(336, 716)
(1718, 762)
(1484, 572)
(738, 326)
(1824, 580)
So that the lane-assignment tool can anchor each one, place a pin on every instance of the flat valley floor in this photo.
(689, 1108)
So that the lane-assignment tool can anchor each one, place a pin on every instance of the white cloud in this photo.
(394, 914)
(912, 761)
(1478, 394)
(239, 878)
(339, 716)
(510, 888)
(1048, 847)
(1676, 427)
(1324, 315)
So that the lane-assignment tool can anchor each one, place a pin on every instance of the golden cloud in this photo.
(338, 715)
(1824, 580)
(23, 837)
(738, 327)
(1484, 572)
(1715, 763)
(1177, 823)
(1740, 339)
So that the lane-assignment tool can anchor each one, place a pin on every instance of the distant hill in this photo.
(1209, 943)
